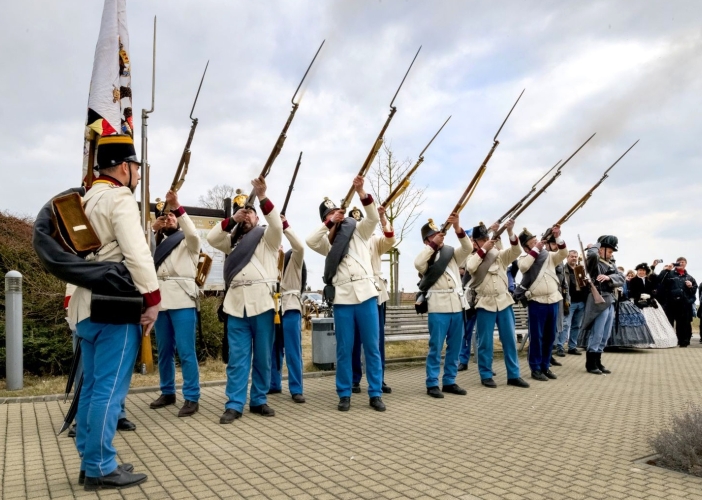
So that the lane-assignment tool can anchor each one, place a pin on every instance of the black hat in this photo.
(608, 241)
(112, 150)
(429, 229)
(524, 237)
(325, 207)
(356, 213)
(480, 232)
(643, 266)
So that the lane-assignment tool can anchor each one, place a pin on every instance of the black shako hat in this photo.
(429, 229)
(325, 207)
(356, 213)
(480, 232)
(643, 266)
(112, 150)
(524, 237)
(608, 241)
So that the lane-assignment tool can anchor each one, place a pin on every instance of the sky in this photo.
(623, 70)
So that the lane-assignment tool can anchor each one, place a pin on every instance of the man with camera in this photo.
(676, 292)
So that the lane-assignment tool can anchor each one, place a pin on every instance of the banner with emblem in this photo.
(110, 98)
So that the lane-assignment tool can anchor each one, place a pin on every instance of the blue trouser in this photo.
(600, 330)
(444, 327)
(485, 325)
(356, 353)
(109, 354)
(571, 326)
(175, 330)
(349, 318)
(542, 334)
(468, 327)
(292, 339)
(249, 335)
(79, 373)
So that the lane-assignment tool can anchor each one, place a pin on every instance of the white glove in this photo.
(645, 296)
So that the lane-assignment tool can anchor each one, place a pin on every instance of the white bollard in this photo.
(14, 355)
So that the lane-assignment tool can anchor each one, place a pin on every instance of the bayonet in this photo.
(292, 185)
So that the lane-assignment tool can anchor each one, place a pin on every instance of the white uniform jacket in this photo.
(256, 298)
(176, 275)
(546, 287)
(354, 280)
(292, 276)
(444, 296)
(379, 246)
(114, 215)
(493, 293)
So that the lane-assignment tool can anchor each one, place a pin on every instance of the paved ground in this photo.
(574, 438)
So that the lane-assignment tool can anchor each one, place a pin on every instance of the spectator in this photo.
(676, 292)
(574, 318)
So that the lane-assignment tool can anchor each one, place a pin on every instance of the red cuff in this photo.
(514, 241)
(433, 245)
(285, 225)
(329, 224)
(367, 200)
(462, 234)
(562, 247)
(66, 300)
(389, 234)
(266, 206)
(481, 253)
(533, 253)
(179, 211)
(152, 298)
(228, 224)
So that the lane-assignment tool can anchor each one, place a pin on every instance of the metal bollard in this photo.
(14, 355)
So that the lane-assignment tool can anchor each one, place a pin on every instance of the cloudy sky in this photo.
(625, 70)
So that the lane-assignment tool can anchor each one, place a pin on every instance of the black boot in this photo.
(598, 363)
(590, 364)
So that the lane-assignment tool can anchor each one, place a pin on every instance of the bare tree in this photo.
(402, 213)
(215, 196)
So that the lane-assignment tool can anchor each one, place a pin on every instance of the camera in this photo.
(676, 264)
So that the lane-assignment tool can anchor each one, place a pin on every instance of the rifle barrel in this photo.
(516, 206)
(292, 185)
(145, 201)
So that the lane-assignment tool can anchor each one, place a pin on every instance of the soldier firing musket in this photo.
(465, 197)
(374, 150)
(405, 182)
(278, 147)
(541, 191)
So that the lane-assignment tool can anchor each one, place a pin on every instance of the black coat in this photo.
(637, 286)
(672, 290)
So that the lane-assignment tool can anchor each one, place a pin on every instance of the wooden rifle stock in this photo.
(593, 289)
(292, 185)
(277, 148)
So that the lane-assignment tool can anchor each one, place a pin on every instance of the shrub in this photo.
(679, 446)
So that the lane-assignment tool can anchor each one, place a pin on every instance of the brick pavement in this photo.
(574, 438)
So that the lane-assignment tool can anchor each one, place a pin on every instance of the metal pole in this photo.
(13, 331)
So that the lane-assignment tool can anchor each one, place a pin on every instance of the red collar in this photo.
(680, 271)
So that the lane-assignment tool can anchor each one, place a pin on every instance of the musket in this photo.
(292, 185)
(182, 170)
(463, 200)
(146, 359)
(405, 182)
(379, 141)
(583, 277)
(581, 202)
(542, 190)
(145, 195)
(516, 206)
(281, 138)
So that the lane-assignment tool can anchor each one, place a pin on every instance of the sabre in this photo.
(277, 148)
(405, 182)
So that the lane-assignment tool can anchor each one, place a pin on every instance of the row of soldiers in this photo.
(166, 281)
